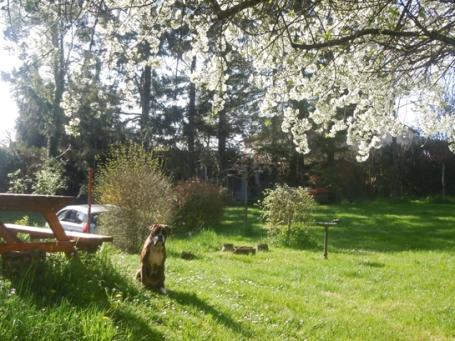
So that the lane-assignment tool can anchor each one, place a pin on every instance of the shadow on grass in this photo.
(382, 225)
(389, 226)
(192, 300)
(136, 326)
(230, 229)
(372, 264)
(234, 224)
(87, 280)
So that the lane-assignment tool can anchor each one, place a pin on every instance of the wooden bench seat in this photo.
(84, 241)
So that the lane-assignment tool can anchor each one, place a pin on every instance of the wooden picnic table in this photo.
(48, 206)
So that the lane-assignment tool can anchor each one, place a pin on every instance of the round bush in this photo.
(199, 204)
(285, 210)
(133, 182)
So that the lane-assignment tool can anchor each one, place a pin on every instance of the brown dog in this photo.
(153, 256)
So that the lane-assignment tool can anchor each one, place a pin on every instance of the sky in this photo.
(8, 109)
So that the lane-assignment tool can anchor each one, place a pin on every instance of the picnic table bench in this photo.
(83, 241)
(63, 241)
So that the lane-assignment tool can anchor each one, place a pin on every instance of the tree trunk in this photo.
(145, 93)
(245, 193)
(56, 120)
(222, 141)
(443, 179)
(396, 190)
(191, 127)
(296, 168)
(330, 152)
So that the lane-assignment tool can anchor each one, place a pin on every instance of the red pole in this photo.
(89, 197)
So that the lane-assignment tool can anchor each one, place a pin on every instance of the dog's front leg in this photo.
(142, 275)
(161, 281)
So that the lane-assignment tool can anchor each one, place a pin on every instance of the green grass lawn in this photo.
(390, 276)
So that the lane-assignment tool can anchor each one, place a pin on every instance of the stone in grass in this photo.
(244, 250)
(263, 247)
(227, 247)
(187, 255)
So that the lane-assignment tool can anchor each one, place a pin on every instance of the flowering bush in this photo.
(199, 204)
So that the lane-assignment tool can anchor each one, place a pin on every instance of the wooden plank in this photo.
(32, 202)
(48, 247)
(9, 236)
(89, 236)
(38, 232)
(46, 232)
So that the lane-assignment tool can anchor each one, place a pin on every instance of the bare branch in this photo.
(375, 32)
(228, 13)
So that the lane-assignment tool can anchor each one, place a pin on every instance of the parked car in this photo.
(75, 217)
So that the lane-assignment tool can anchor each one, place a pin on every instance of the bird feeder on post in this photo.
(326, 225)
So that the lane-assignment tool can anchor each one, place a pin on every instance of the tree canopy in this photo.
(350, 62)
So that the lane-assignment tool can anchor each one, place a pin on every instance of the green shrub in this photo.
(46, 177)
(141, 193)
(18, 182)
(298, 237)
(50, 179)
(287, 211)
(199, 204)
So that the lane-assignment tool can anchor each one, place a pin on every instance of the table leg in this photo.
(9, 236)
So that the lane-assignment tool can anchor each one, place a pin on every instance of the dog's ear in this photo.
(153, 227)
(166, 229)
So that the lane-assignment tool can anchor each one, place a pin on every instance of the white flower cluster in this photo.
(344, 86)
(437, 116)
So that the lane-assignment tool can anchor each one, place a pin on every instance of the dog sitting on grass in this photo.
(153, 257)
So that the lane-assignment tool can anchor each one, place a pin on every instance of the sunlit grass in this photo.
(389, 276)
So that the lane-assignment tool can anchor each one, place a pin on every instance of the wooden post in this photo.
(245, 194)
(326, 240)
(89, 198)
